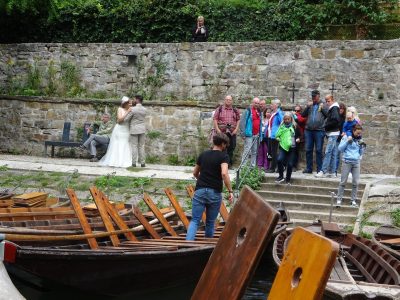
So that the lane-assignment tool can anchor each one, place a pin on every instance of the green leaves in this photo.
(139, 21)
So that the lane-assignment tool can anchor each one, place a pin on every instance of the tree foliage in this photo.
(171, 20)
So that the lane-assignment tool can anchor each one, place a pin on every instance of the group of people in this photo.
(125, 139)
(272, 138)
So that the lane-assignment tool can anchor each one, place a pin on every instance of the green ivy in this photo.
(139, 21)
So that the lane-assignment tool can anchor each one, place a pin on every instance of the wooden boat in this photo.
(363, 269)
(130, 268)
(388, 237)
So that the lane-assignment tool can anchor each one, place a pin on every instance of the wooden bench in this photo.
(65, 141)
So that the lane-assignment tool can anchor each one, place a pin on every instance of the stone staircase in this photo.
(309, 199)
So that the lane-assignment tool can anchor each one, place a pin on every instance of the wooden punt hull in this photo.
(346, 280)
(383, 234)
(109, 272)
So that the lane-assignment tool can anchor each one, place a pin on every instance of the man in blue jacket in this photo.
(314, 132)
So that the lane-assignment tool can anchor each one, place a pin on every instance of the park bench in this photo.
(65, 141)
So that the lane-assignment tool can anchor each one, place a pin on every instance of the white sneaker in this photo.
(338, 203)
(329, 175)
(354, 204)
(320, 174)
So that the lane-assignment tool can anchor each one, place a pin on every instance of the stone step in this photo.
(294, 188)
(298, 197)
(342, 218)
(313, 207)
(305, 223)
(312, 181)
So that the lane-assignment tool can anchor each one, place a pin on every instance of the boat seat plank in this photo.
(104, 215)
(82, 218)
(221, 278)
(116, 217)
(165, 243)
(181, 214)
(304, 272)
(158, 214)
(138, 214)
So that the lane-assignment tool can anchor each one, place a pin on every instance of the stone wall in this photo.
(366, 73)
(174, 131)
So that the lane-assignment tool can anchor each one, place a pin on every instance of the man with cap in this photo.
(137, 129)
(314, 131)
(101, 137)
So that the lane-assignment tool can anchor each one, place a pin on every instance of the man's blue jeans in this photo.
(314, 137)
(330, 158)
(204, 199)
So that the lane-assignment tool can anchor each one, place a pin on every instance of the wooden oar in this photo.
(158, 214)
(81, 217)
(104, 215)
(50, 238)
(177, 206)
(116, 217)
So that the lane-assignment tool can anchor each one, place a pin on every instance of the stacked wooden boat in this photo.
(363, 269)
(119, 252)
(388, 237)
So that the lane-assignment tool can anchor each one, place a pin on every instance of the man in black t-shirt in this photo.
(211, 171)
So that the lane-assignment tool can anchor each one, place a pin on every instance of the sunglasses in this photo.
(297, 110)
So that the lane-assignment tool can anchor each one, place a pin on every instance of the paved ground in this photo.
(23, 162)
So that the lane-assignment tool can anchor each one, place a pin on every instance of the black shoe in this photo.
(134, 165)
(279, 180)
(270, 171)
(82, 147)
(94, 159)
(305, 171)
(143, 165)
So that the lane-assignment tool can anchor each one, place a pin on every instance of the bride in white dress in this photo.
(119, 152)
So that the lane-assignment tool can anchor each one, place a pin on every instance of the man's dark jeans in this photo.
(314, 137)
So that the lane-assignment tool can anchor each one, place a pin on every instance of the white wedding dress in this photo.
(119, 152)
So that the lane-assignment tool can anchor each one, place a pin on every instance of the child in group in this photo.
(355, 113)
(352, 148)
(288, 136)
(349, 124)
(262, 157)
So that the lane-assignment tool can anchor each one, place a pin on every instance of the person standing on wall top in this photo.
(101, 137)
(332, 130)
(250, 128)
(137, 129)
(211, 171)
(200, 31)
(226, 120)
(314, 132)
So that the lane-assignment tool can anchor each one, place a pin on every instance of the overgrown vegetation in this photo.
(118, 188)
(46, 81)
(172, 20)
(395, 215)
(253, 177)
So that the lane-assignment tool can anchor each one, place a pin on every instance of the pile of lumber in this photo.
(34, 199)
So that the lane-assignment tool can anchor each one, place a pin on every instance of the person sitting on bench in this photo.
(101, 137)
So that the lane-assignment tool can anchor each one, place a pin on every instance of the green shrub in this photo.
(395, 215)
(173, 160)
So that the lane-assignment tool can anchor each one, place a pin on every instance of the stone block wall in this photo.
(177, 130)
(366, 73)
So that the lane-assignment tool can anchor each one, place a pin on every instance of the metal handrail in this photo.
(242, 164)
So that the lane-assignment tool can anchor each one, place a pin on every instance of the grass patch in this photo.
(395, 215)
